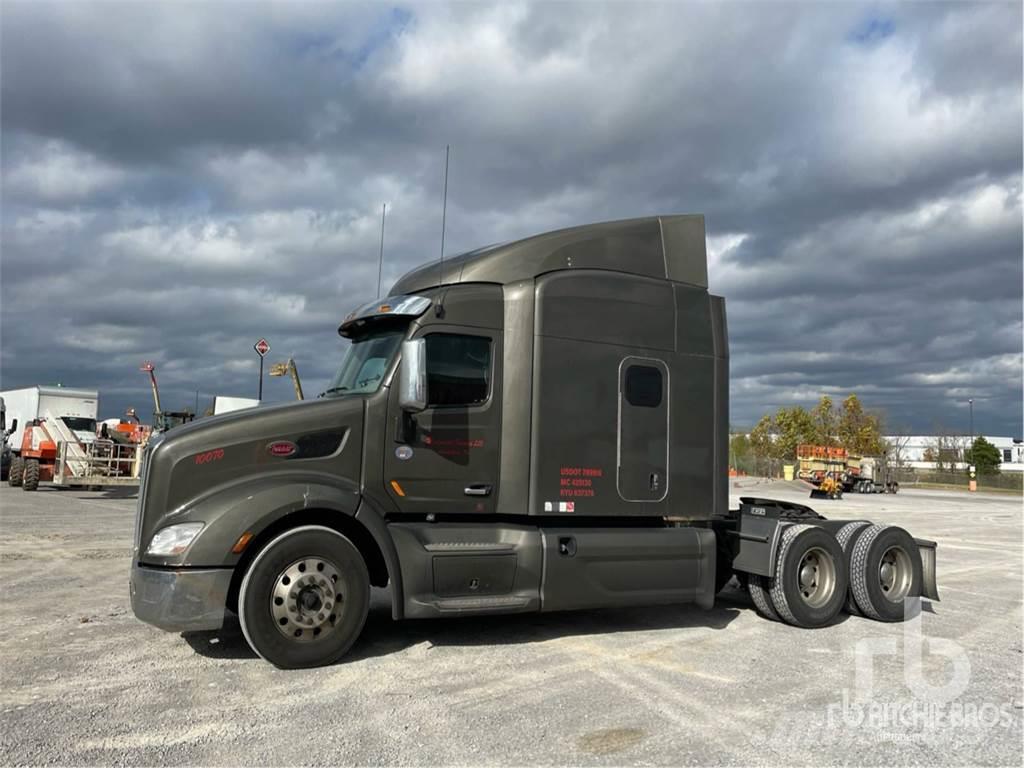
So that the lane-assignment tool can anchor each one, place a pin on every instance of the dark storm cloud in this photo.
(179, 180)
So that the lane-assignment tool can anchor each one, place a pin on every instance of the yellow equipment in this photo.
(284, 369)
(829, 488)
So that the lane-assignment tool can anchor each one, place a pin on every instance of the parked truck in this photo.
(53, 439)
(832, 470)
(536, 426)
(33, 448)
(5, 449)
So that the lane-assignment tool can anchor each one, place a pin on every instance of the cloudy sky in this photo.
(178, 180)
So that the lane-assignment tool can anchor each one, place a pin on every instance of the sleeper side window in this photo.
(458, 369)
(643, 386)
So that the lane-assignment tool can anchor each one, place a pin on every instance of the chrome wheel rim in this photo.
(307, 599)
(895, 574)
(816, 577)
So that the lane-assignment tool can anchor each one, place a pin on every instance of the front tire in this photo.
(16, 472)
(30, 480)
(304, 598)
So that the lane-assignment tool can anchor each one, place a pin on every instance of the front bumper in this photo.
(180, 600)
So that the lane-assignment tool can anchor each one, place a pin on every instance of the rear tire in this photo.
(758, 588)
(16, 472)
(811, 579)
(847, 537)
(30, 480)
(885, 570)
(304, 599)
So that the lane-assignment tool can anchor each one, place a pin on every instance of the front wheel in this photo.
(304, 598)
(16, 472)
(30, 478)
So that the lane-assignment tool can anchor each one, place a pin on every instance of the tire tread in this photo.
(847, 536)
(759, 594)
(776, 591)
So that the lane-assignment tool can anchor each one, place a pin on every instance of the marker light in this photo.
(174, 539)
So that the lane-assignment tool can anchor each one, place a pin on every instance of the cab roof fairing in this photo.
(663, 247)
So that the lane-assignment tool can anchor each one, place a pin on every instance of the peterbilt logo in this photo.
(282, 448)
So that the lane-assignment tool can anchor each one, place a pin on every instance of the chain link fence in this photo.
(1004, 481)
(908, 478)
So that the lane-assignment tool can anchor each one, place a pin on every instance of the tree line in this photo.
(846, 425)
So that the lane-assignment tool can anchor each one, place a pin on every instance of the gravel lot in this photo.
(85, 683)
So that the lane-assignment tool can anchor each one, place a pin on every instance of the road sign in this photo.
(262, 347)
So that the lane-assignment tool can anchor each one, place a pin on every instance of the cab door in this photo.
(643, 430)
(445, 459)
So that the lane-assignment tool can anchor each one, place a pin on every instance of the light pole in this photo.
(973, 484)
(970, 404)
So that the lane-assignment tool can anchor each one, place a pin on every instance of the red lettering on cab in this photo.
(214, 455)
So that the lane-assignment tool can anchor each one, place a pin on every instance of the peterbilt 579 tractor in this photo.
(535, 426)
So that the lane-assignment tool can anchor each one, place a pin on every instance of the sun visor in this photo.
(383, 309)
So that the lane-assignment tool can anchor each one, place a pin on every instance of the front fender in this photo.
(250, 505)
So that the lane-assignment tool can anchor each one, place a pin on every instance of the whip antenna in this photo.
(444, 213)
(380, 264)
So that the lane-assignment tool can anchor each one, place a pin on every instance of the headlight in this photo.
(174, 539)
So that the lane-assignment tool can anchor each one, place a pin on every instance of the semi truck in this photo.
(833, 467)
(535, 426)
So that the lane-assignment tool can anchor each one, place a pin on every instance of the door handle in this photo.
(478, 489)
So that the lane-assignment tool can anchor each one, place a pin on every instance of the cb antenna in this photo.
(380, 264)
(444, 213)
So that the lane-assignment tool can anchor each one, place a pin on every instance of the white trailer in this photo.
(76, 408)
(222, 404)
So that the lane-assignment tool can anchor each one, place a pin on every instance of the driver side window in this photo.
(458, 369)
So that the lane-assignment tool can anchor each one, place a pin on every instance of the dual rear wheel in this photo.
(866, 569)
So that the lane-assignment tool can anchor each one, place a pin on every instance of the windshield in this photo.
(79, 423)
(365, 362)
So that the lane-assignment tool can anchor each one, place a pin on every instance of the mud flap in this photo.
(929, 582)
(758, 536)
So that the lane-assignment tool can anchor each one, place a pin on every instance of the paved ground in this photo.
(85, 683)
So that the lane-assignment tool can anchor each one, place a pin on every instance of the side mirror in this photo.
(412, 379)
(14, 425)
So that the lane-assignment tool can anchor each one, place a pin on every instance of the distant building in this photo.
(914, 449)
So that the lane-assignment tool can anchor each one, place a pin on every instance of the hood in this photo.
(194, 462)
